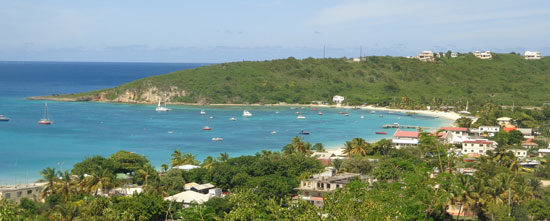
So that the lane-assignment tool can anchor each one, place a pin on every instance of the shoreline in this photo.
(438, 114)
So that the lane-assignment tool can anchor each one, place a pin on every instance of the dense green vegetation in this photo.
(400, 82)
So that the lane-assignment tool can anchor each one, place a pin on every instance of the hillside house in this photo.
(483, 55)
(544, 152)
(426, 56)
(313, 189)
(519, 153)
(477, 146)
(504, 120)
(17, 192)
(529, 145)
(198, 193)
(532, 55)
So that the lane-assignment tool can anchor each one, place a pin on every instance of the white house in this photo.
(483, 55)
(426, 56)
(544, 152)
(403, 139)
(197, 193)
(454, 55)
(490, 130)
(532, 55)
(338, 99)
(519, 152)
(477, 146)
(504, 120)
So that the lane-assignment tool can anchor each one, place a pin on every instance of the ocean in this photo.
(82, 129)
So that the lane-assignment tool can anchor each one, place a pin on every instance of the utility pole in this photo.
(324, 50)
(360, 52)
(510, 201)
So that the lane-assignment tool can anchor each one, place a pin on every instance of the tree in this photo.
(337, 164)
(102, 180)
(127, 162)
(50, 176)
(297, 145)
(223, 157)
(164, 167)
(181, 158)
(65, 186)
(357, 164)
(382, 146)
(318, 147)
(463, 122)
(208, 162)
(357, 146)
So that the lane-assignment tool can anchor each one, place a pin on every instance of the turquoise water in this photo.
(83, 129)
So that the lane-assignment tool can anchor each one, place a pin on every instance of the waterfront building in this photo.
(338, 99)
(403, 139)
(532, 55)
(17, 192)
(489, 130)
(483, 55)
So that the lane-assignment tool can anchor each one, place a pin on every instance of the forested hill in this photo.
(400, 82)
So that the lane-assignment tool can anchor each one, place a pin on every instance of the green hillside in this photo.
(400, 82)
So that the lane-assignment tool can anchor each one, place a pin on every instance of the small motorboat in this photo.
(232, 119)
(320, 113)
(206, 128)
(373, 112)
(297, 112)
(469, 159)
(4, 118)
(342, 112)
(302, 117)
(304, 132)
(381, 115)
(273, 132)
(381, 132)
(277, 112)
(170, 132)
(314, 108)
(247, 114)
(217, 139)
(346, 114)
(362, 117)
(203, 112)
(211, 117)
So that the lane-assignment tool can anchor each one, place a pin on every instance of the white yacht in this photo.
(203, 112)
(161, 108)
(247, 114)
(217, 139)
(362, 117)
(4, 118)
(302, 117)
(232, 119)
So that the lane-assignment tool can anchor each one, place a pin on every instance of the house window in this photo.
(481, 151)
(318, 185)
(319, 194)
(7, 195)
(328, 185)
(19, 193)
(472, 150)
(306, 193)
(337, 186)
(29, 192)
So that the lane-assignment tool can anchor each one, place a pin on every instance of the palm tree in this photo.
(356, 146)
(49, 175)
(297, 144)
(65, 186)
(190, 159)
(337, 164)
(102, 180)
(176, 157)
(223, 157)
(208, 162)
(164, 167)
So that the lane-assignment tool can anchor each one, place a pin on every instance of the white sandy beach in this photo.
(448, 115)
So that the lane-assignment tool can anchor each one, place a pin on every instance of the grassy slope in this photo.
(506, 79)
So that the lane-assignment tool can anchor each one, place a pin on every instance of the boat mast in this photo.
(46, 110)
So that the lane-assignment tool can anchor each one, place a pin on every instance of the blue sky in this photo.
(223, 31)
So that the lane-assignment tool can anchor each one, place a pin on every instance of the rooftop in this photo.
(479, 141)
(454, 129)
(400, 133)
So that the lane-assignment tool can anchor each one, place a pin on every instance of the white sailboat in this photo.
(161, 108)
(46, 120)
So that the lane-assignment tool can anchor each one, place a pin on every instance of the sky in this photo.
(225, 31)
